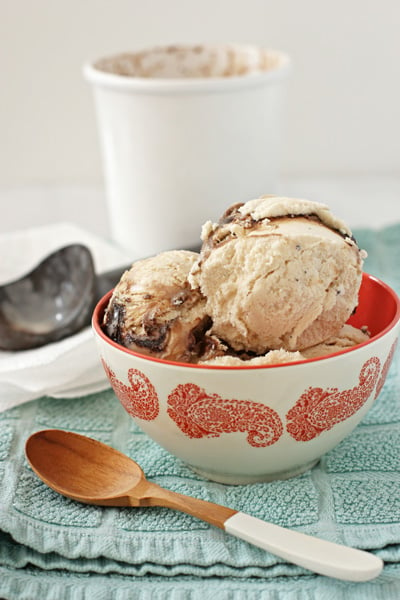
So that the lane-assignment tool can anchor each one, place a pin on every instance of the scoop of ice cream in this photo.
(347, 337)
(278, 273)
(154, 311)
(274, 357)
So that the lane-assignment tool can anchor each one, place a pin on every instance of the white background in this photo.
(342, 142)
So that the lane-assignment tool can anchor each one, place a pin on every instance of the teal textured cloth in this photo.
(54, 548)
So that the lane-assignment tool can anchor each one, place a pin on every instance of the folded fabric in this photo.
(351, 497)
(55, 548)
(69, 367)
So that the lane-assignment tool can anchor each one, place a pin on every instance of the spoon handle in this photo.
(315, 554)
(320, 556)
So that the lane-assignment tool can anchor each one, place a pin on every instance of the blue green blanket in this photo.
(54, 548)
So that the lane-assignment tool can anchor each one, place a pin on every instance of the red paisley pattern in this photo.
(385, 369)
(318, 409)
(140, 398)
(199, 414)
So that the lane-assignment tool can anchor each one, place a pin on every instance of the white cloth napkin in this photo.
(70, 367)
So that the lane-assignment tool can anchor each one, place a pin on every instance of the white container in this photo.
(185, 131)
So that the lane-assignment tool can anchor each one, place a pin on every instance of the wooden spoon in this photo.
(91, 472)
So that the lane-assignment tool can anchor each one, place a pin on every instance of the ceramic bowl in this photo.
(246, 424)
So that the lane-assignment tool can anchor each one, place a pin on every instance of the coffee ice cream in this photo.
(275, 281)
(273, 357)
(278, 273)
(347, 337)
(154, 311)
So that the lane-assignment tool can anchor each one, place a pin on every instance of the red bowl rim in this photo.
(100, 306)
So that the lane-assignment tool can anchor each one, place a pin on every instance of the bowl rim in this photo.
(100, 306)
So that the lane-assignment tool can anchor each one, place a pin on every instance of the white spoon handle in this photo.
(304, 550)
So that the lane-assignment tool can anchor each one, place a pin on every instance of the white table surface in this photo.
(362, 201)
